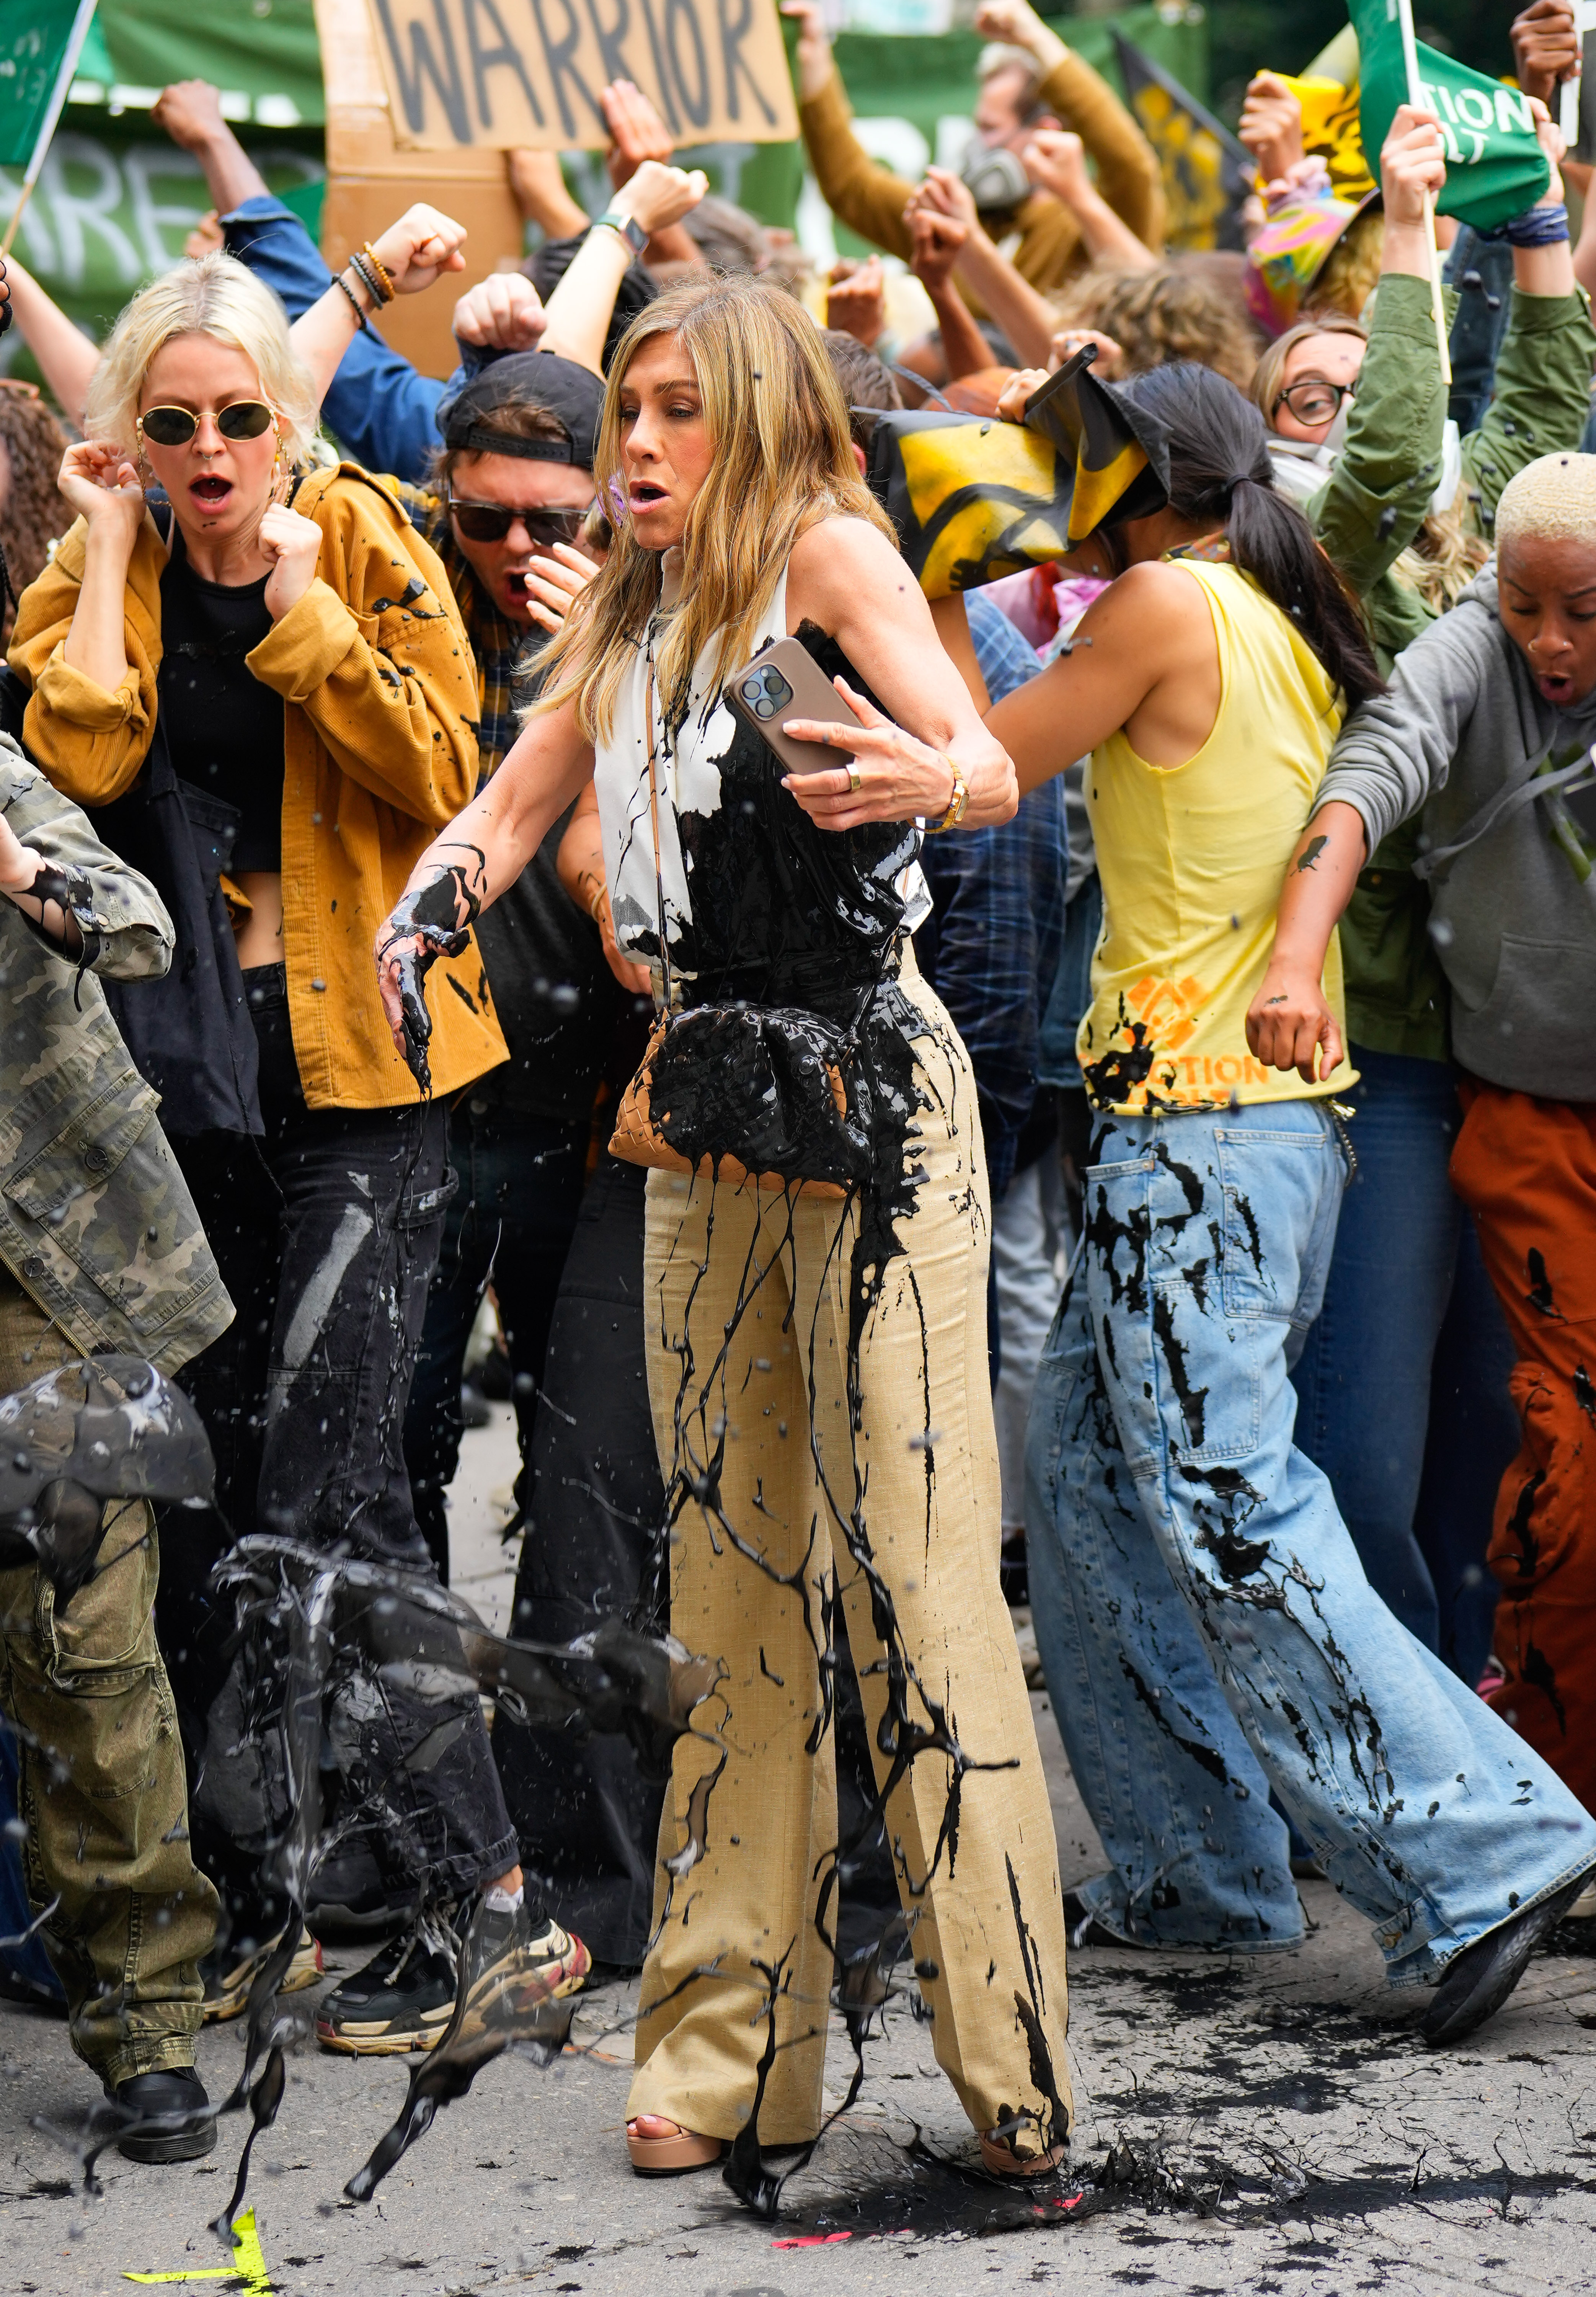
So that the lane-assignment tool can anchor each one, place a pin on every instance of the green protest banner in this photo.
(39, 41)
(39, 45)
(1495, 166)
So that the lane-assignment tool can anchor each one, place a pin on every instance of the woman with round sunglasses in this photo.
(256, 667)
(1411, 1337)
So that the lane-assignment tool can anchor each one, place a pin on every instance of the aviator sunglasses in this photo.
(175, 426)
(481, 521)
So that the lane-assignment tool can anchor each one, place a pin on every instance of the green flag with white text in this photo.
(1494, 166)
(39, 40)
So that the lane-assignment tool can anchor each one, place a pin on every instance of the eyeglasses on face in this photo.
(1313, 401)
(484, 522)
(175, 426)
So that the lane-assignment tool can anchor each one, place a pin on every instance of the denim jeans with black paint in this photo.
(1205, 1626)
(1402, 1384)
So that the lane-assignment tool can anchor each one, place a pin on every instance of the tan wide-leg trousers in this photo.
(746, 1298)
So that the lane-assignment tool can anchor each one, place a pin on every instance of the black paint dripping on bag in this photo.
(785, 916)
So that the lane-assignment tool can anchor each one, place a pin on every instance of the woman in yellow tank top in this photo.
(1206, 1628)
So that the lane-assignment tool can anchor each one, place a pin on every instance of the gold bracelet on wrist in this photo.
(956, 803)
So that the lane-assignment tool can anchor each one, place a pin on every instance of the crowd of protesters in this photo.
(1117, 1142)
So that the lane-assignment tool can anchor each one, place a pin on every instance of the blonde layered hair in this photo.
(213, 295)
(783, 461)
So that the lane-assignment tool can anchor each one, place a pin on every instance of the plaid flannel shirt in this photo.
(504, 650)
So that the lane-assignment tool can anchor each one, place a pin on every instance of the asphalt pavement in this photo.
(1260, 2124)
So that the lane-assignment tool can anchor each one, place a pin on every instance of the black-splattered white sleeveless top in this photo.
(759, 903)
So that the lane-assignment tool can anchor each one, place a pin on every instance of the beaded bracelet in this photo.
(363, 271)
(383, 272)
(348, 292)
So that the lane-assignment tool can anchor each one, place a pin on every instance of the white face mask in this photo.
(1451, 470)
(1301, 466)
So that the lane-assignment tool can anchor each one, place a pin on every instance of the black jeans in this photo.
(327, 1231)
(588, 1818)
(511, 1220)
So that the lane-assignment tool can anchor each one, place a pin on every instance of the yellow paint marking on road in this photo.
(247, 2271)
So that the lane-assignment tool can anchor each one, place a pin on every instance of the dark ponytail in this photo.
(1220, 472)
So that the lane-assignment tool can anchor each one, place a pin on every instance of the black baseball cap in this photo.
(572, 393)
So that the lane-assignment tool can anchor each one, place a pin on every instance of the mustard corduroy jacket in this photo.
(380, 751)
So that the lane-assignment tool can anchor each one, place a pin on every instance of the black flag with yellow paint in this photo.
(973, 498)
(1206, 173)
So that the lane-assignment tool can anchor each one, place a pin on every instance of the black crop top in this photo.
(224, 729)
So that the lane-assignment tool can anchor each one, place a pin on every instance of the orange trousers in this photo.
(1527, 1168)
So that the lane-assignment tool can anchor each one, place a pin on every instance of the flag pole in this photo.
(1402, 9)
(63, 80)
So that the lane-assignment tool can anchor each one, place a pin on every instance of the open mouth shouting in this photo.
(643, 496)
(212, 491)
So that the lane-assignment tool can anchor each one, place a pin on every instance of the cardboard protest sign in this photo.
(492, 74)
(370, 182)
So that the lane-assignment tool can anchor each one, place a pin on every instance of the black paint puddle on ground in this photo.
(930, 2196)
(926, 2197)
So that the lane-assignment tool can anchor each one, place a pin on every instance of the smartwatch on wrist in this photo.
(630, 228)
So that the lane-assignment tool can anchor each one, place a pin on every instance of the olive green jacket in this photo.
(96, 1222)
(1366, 515)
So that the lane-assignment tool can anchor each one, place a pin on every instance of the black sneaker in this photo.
(1476, 1982)
(168, 2116)
(402, 2000)
(512, 1971)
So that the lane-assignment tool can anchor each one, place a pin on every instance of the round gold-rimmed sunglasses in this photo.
(175, 426)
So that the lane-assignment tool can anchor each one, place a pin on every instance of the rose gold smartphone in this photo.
(784, 681)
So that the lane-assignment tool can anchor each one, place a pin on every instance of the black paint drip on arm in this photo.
(71, 892)
(436, 919)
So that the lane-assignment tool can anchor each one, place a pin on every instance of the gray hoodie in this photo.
(1513, 910)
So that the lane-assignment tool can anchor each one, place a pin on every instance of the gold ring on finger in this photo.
(855, 778)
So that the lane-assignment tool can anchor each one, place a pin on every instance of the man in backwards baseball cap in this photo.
(512, 484)
(505, 509)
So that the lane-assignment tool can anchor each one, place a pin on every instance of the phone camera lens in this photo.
(751, 690)
(764, 708)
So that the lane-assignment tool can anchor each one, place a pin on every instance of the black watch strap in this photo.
(630, 228)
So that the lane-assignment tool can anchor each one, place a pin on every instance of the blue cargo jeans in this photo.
(1205, 1626)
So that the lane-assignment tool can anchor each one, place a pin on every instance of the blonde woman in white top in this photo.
(817, 1363)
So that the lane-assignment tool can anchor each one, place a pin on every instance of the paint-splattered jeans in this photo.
(328, 1234)
(1205, 1626)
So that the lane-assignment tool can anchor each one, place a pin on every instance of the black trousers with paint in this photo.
(519, 1190)
(327, 1230)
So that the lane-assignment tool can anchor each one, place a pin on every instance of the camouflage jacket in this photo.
(95, 1218)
